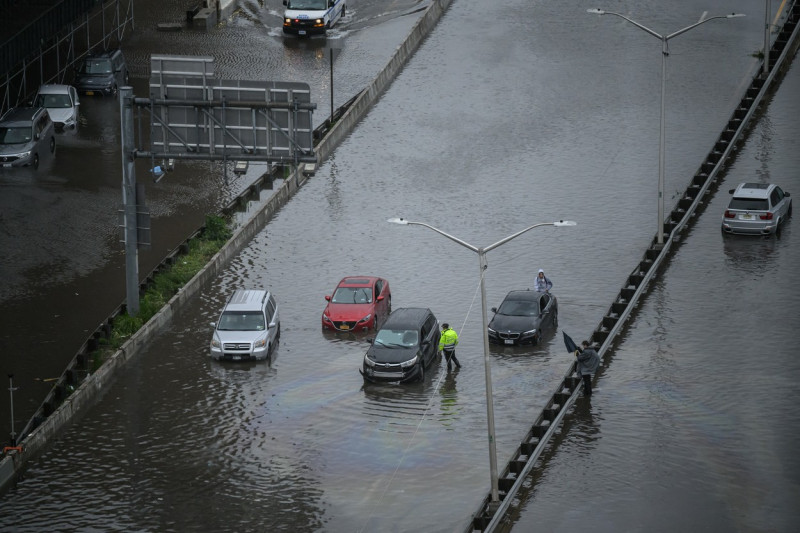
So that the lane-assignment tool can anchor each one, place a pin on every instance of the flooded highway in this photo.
(481, 135)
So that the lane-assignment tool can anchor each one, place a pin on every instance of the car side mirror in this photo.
(36, 136)
(286, 3)
(730, 191)
(370, 340)
(214, 325)
(328, 297)
(380, 298)
(786, 194)
(494, 309)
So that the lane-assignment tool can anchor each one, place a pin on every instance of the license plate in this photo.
(301, 32)
(236, 357)
(6, 165)
(509, 341)
(89, 93)
(748, 217)
(344, 326)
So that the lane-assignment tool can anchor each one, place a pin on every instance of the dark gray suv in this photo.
(406, 344)
(26, 133)
(102, 73)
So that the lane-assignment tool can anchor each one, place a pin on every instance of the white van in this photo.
(311, 17)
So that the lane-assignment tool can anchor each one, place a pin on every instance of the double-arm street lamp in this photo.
(483, 265)
(664, 53)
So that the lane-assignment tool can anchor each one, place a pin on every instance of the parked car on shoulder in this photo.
(62, 103)
(248, 328)
(26, 133)
(359, 303)
(757, 209)
(523, 317)
(102, 73)
(404, 347)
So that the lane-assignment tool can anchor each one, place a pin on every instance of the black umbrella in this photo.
(569, 343)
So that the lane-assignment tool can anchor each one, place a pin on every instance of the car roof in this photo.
(407, 317)
(753, 190)
(359, 281)
(103, 53)
(20, 116)
(54, 89)
(526, 295)
(246, 300)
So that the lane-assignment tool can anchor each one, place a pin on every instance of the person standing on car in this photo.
(447, 345)
(588, 363)
(542, 283)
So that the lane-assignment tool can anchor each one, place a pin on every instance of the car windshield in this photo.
(397, 338)
(352, 295)
(749, 204)
(97, 66)
(308, 4)
(241, 321)
(53, 101)
(15, 135)
(519, 308)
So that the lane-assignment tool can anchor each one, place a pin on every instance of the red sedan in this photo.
(359, 303)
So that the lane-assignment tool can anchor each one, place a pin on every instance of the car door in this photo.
(546, 307)
(781, 205)
(430, 344)
(380, 305)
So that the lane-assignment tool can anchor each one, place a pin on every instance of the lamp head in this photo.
(565, 223)
(596, 11)
(400, 221)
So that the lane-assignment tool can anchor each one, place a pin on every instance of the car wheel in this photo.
(278, 333)
(52, 145)
(114, 90)
(35, 161)
(789, 212)
(555, 320)
(421, 371)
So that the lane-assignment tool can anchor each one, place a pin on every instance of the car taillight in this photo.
(766, 216)
(728, 214)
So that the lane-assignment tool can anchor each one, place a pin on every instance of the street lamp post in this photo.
(664, 53)
(487, 367)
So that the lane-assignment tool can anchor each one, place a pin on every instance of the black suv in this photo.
(102, 73)
(406, 344)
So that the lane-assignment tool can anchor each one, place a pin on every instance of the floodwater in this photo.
(488, 130)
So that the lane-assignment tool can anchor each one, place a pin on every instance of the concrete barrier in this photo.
(92, 388)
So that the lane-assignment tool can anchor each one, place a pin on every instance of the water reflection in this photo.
(754, 255)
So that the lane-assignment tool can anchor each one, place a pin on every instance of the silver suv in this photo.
(757, 209)
(248, 328)
(25, 134)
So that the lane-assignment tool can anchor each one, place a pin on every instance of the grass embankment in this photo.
(165, 285)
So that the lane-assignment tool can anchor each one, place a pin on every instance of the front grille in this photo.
(344, 326)
(237, 346)
(8, 158)
(508, 335)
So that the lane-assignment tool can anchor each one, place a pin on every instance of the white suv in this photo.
(248, 328)
(757, 209)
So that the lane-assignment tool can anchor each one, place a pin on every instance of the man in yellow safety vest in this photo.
(447, 345)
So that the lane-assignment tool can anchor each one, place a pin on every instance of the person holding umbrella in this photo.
(588, 363)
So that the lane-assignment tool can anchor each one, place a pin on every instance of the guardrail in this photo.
(490, 516)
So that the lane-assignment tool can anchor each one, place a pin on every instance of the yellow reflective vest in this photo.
(448, 339)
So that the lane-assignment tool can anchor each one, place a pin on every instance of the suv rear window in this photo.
(749, 204)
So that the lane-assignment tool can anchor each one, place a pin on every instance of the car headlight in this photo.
(529, 333)
(368, 362)
(410, 362)
(491, 331)
(260, 343)
(215, 343)
(287, 21)
(366, 318)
